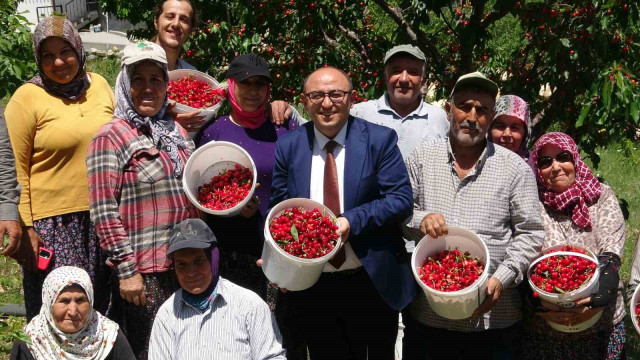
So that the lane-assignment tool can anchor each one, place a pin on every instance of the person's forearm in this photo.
(9, 188)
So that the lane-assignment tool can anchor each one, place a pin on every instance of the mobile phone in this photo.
(44, 258)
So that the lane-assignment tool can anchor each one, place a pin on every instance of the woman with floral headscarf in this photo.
(578, 210)
(510, 124)
(135, 165)
(51, 120)
(67, 326)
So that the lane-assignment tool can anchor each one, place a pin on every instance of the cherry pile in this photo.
(307, 234)
(562, 273)
(451, 270)
(226, 190)
(569, 248)
(638, 312)
(195, 93)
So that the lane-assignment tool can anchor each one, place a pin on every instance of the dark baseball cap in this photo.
(248, 65)
(191, 234)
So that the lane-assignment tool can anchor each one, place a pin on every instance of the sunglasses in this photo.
(562, 157)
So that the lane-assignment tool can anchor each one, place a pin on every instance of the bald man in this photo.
(355, 168)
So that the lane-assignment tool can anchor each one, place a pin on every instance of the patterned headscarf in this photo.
(512, 105)
(584, 191)
(58, 26)
(94, 341)
(166, 135)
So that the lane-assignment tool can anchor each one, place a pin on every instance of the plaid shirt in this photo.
(135, 198)
(498, 200)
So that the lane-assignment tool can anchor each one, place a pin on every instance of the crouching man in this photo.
(210, 317)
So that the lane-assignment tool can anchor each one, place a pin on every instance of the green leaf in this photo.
(294, 232)
(635, 112)
(606, 93)
(255, 39)
(583, 115)
(558, 290)
(565, 42)
(620, 81)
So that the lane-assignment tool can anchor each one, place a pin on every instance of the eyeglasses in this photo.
(562, 157)
(336, 96)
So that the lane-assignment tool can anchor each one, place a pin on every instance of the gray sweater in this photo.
(9, 187)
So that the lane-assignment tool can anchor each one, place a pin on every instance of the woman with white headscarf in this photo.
(68, 327)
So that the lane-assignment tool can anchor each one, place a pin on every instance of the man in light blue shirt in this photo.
(401, 107)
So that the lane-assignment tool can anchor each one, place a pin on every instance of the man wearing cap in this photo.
(468, 182)
(402, 106)
(210, 317)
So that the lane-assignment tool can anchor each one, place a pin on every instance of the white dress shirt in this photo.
(317, 184)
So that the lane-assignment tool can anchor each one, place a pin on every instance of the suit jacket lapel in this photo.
(356, 148)
(302, 158)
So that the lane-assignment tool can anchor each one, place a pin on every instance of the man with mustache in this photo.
(469, 182)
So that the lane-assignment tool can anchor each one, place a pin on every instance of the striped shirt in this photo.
(237, 326)
(498, 200)
(135, 198)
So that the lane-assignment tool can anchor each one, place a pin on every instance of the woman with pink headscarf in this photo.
(510, 124)
(240, 238)
(578, 210)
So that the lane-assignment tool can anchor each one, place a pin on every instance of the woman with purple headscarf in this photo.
(51, 120)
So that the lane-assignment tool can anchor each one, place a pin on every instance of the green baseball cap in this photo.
(476, 79)
(407, 49)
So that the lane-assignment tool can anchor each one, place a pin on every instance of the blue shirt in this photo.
(426, 122)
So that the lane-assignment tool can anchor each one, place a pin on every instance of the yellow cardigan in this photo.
(50, 137)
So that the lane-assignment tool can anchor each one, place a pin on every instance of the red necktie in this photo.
(331, 194)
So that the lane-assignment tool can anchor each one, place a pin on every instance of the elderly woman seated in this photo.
(578, 210)
(68, 327)
(210, 317)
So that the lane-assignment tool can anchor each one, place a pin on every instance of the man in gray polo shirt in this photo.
(401, 107)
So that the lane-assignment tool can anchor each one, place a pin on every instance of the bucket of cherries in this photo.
(220, 178)
(634, 309)
(562, 276)
(300, 237)
(452, 272)
(194, 90)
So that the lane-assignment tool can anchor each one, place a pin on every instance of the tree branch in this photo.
(416, 36)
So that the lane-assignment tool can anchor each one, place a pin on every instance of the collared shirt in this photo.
(426, 122)
(316, 192)
(181, 64)
(9, 188)
(135, 197)
(498, 200)
(237, 326)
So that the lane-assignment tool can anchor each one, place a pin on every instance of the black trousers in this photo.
(343, 317)
(421, 342)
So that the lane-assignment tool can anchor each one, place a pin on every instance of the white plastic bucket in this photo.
(288, 271)
(209, 112)
(567, 299)
(453, 305)
(211, 160)
(632, 308)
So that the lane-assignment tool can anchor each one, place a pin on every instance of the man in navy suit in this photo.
(356, 169)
